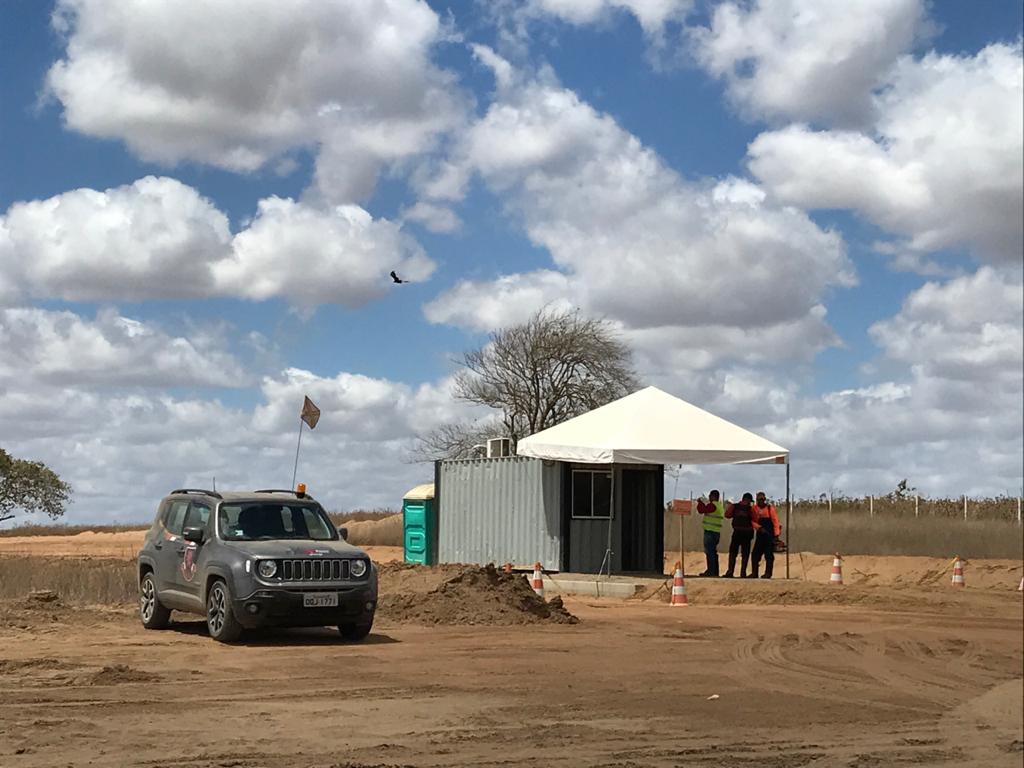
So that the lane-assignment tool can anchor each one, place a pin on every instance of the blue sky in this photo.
(820, 177)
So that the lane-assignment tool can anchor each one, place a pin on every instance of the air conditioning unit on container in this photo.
(497, 447)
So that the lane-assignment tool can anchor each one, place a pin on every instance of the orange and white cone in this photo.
(958, 572)
(837, 571)
(537, 582)
(678, 587)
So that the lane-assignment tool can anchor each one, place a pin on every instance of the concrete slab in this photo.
(593, 587)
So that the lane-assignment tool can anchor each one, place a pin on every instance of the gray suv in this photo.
(245, 560)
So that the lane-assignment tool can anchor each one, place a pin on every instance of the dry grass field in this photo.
(854, 532)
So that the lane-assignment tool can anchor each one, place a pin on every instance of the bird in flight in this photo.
(395, 278)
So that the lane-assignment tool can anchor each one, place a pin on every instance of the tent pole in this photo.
(611, 520)
(789, 514)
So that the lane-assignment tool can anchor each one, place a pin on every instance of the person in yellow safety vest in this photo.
(713, 512)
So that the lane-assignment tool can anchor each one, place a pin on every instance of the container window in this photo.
(591, 494)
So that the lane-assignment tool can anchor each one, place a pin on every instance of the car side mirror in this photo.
(195, 535)
(343, 532)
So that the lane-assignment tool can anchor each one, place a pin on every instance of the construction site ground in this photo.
(462, 669)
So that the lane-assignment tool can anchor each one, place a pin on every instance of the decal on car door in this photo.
(188, 562)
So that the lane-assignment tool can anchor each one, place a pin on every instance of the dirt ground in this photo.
(633, 684)
(465, 668)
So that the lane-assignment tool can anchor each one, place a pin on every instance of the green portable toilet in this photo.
(419, 525)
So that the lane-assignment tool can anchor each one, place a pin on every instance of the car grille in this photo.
(314, 570)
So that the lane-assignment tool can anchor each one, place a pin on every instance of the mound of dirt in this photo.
(11, 666)
(118, 673)
(385, 532)
(463, 594)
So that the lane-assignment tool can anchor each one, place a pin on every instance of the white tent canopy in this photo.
(651, 427)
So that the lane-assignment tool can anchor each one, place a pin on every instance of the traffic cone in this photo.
(958, 572)
(537, 582)
(837, 571)
(678, 587)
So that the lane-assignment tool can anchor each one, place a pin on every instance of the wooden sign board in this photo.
(682, 506)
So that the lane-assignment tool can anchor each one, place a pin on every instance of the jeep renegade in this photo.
(246, 560)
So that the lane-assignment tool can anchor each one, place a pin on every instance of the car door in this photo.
(189, 553)
(168, 542)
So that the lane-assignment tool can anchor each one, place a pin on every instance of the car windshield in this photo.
(262, 521)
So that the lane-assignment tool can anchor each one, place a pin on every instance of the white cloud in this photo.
(61, 348)
(652, 15)
(953, 424)
(668, 351)
(632, 240)
(123, 452)
(807, 60)
(313, 256)
(154, 238)
(968, 329)
(507, 300)
(946, 169)
(238, 84)
(158, 238)
(950, 418)
(435, 218)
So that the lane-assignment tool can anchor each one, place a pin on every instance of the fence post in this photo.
(965, 507)
(916, 497)
(871, 506)
(1018, 510)
(830, 504)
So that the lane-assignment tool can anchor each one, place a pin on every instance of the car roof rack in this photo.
(296, 494)
(198, 490)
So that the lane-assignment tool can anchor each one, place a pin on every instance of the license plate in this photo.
(320, 600)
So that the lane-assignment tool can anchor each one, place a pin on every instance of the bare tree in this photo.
(553, 367)
(457, 441)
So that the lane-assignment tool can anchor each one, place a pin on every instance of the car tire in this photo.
(220, 617)
(353, 633)
(154, 614)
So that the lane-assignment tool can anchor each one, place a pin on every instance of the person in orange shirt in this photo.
(766, 525)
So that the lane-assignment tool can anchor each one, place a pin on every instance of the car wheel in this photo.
(353, 633)
(220, 618)
(154, 614)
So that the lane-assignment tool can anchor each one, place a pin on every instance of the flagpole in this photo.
(295, 471)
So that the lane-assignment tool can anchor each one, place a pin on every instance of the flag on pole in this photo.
(310, 413)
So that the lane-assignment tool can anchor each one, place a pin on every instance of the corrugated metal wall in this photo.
(500, 511)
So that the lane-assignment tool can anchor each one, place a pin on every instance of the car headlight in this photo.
(358, 569)
(267, 569)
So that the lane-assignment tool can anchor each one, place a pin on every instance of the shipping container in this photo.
(583, 518)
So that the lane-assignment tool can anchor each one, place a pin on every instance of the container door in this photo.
(417, 538)
(642, 521)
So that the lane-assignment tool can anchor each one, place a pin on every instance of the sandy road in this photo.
(629, 685)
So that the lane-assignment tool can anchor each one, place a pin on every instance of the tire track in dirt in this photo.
(835, 680)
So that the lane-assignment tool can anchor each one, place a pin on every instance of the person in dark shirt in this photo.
(742, 515)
